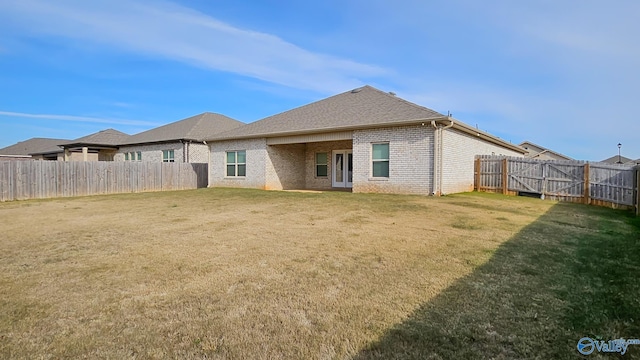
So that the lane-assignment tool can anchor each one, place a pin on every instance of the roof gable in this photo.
(614, 160)
(534, 149)
(108, 137)
(199, 127)
(527, 145)
(365, 106)
(34, 146)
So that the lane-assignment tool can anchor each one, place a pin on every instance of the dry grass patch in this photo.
(569, 274)
(229, 273)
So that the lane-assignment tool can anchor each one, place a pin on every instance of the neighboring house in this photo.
(535, 151)
(34, 148)
(633, 162)
(364, 139)
(617, 160)
(180, 141)
(100, 146)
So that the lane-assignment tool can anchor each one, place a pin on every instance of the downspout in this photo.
(208, 163)
(435, 157)
(183, 151)
(441, 150)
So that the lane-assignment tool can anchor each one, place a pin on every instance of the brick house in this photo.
(180, 141)
(365, 140)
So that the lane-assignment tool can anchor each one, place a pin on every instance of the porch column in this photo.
(67, 155)
(85, 154)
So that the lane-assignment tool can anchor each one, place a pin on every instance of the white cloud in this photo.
(571, 73)
(602, 28)
(84, 119)
(175, 32)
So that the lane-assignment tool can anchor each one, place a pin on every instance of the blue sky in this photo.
(563, 74)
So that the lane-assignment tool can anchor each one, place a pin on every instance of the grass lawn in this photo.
(230, 273)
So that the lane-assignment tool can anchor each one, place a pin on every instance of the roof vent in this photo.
(355, 91)
(392, 93)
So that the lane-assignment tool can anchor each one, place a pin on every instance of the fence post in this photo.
(587, 184)
(476, 182)
(505, 176)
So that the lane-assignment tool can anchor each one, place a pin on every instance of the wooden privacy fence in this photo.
(576, 181)
(20, 180)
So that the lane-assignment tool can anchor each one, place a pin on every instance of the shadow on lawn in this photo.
(571, 273)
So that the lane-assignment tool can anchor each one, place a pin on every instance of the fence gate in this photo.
(525, 176)
(563, 180)
(575, 181)
(611, 183)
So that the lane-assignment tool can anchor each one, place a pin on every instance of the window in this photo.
(139, 153)
(236, 163)
(130, 156)
(321, 164)
(380, 160)
(167, 156)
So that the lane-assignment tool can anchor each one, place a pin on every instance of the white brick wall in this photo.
(256, 163)
(285, 167)
(198, 152)
(458, 154)
(153, 152)
(410, 160)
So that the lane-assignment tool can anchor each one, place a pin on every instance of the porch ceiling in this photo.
(307, 138)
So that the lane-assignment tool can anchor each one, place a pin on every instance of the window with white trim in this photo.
(126, 156)
(236, 163)
(168, 156)
(380, 160)
(322, 165)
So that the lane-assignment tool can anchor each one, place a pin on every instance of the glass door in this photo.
(342, 166)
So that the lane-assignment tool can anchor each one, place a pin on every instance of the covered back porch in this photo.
(310, 162)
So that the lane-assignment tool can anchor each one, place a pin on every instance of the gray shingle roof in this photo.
(614, 160)
(362, 107)
(108, 137)
(199, 127)
(34, 146)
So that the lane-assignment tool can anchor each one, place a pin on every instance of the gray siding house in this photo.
(535, 151)
(365, 140)
(180, 141)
